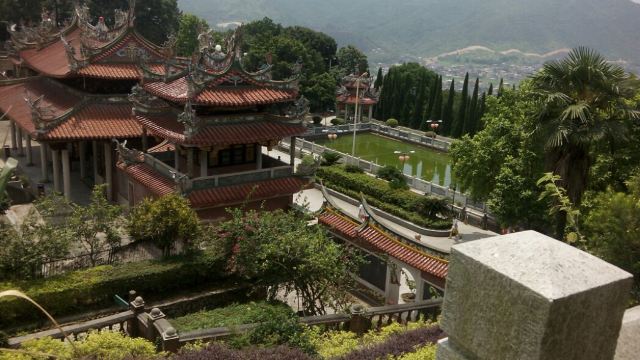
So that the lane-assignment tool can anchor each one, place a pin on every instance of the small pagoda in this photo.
(216, 123)
(354, 87)
(69, 94)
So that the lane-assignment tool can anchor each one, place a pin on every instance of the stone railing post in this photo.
(528, 296)
(358, 323)
(137, 307)
(162, 329)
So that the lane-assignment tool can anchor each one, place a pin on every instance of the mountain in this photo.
(398, 30)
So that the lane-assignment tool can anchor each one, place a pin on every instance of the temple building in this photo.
(69, 94)
(201, 123)
(354, 87)
(214, 120)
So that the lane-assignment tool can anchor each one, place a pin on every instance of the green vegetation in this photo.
(165, 221)
(235, 314)
(277, 250)
(399, 202)
(187, 38)
(574, 126)
(394, 176)
(83, 290)
(97, 345)
(392, 122)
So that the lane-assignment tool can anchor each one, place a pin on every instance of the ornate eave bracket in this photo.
(42, 115)
(299, 109)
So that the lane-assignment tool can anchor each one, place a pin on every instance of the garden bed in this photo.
(399, 202)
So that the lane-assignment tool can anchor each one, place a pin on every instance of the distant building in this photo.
(351, 87)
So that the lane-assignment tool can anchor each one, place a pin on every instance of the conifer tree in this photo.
(501, 87)
(418, 108)
(432, 100)
(490, 92)
(406, 99)
(437, 108)
(379, 79)
(470, 121)
(447, 113)
(458, 123)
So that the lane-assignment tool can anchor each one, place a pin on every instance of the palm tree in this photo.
(583, 102)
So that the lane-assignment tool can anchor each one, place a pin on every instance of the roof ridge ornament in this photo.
(190, 120)
(41, 113)
(299, 109)
(126, 155)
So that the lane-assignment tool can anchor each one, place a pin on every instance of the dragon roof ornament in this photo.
(100, 32)
(192, 123)
(45, 32)
(41, 113)
(126, 155)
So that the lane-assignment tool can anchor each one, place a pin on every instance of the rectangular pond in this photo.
(423, 163)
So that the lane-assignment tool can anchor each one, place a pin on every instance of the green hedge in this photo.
(399, 202)
(235, 314)
(83, 290)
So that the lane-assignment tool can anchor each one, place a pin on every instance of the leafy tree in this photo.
(351, 59)
(394, 176)
(502, 161)
(583, 102)
(330, 158)
(322, 43)
(188, 31)
(458, 123)
(321, 92)
(164, 221)
(97, 226)
(279, 251)
(612, 229)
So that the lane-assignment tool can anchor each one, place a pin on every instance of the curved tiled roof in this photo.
(384, 243)
(166, 126)
(98, 121)
(52, 60)
(149, 178)
(352, 100)
(56, 99)
(234, 194)
(221, 95)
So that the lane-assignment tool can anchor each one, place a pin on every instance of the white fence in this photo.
(414, 182)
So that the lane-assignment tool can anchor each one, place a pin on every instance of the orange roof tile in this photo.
(98, 121)
(230, 195)
(52, 60)
(111, 71)
(166, 126)
(55, 98)
(384, 243)
(352, 100)
(221, 95)
(162, 147)
(149, 178)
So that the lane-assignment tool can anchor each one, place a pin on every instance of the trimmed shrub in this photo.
(394, 176)
(398, 202)
(84, 290)
(392, 122)
(97, 345)
(316, 119)
(353, 169)
(235, 314)
(397, 344)
(427, 352)
(337, 121)
(218, 351)
(330, 158)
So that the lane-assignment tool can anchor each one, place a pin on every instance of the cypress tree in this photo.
(432, 100)
(447, 113)
(406, 99)
(458, 123)
(470, 123)
(514, 87)
(379, 79)
(437, 108)
(396, 104)
(490, 92)
(501, 87)
(418, 109)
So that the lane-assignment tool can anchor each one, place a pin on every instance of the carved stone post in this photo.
(95, 150)
(528, 296)
(204, 163)
(136, 305)
(190, 162)
(292, 151)
(358, 323)
(258, 156)
(392, 287)
(82, 148)
(20, 148)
